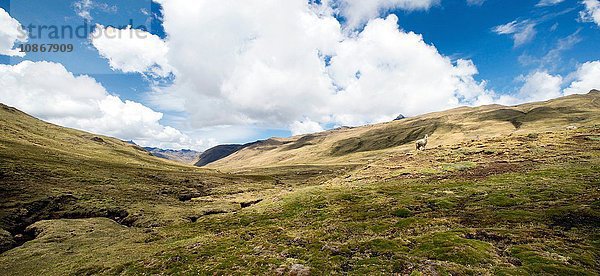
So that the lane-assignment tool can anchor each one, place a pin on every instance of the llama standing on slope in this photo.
(422, 143)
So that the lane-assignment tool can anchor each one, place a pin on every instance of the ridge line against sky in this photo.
(201, 73)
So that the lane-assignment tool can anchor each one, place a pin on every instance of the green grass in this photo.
(373, 229)
(451, 247)
(402, 213)
(489, 208)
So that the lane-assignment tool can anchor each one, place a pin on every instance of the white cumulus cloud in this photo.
(591, 12)
(305, 127)
(260, 62)
(131, 50)
(243, 62)
(586, 78)
(48, 91)
(540, 86)
(10, 33)
(385, 71)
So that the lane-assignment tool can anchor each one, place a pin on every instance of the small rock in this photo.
(299, 270)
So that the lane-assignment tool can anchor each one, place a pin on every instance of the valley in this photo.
(498, 190)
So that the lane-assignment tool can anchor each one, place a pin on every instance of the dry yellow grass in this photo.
(365, 144)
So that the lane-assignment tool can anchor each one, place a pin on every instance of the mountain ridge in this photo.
(359, 144)
(185, 156)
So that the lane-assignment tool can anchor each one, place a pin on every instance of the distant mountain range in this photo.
(183, 156)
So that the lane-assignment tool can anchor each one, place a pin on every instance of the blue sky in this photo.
(560, 40)
(460, 30)
(85, 59)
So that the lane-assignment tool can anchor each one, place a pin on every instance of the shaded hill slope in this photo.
(222, 151)
(361, 144)
(217, 153)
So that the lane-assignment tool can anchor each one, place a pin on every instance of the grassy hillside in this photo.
(51, 172)
(522, 200)
(361, 144)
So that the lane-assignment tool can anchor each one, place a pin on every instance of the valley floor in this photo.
(512, 205)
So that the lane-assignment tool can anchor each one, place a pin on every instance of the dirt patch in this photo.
(480, 172)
